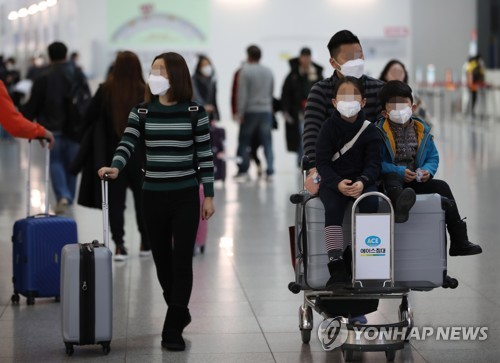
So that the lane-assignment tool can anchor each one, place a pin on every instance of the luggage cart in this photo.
(362, 287)
(363, 292)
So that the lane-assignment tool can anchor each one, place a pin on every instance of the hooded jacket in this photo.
(427, 157)
(297, 86)
(293, 95)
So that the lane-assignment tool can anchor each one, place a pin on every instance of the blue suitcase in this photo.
(37, 244)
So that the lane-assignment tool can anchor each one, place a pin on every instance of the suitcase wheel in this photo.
(202, 249)
(30, 300)
(69, 349)
(106, 348)
(15, 299)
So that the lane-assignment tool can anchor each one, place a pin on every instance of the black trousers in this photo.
(335, 203)
(171, 219)
(130, 177)
(393, 180)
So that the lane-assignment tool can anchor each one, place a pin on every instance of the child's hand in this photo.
(409, 176)
(356, 189)
(345, 187)
(425, 176)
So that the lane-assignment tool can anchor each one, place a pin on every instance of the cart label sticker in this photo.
(372, 243)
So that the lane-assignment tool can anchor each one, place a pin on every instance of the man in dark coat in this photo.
(303, 74)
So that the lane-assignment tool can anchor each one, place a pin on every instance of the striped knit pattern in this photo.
(319, 108)
(406, 141)
(170, 147)
(334, 239)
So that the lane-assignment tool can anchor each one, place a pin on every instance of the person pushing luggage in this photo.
(171, 203)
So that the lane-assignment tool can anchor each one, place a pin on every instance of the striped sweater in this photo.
(170, 147)
(319, 107)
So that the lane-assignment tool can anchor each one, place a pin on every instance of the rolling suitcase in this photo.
(86, 290)
(217, 138)
(420, 260)
(37, 242)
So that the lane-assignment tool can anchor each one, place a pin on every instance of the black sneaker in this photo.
(339, 277)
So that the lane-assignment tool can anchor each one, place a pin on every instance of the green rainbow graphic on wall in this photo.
(136, 23)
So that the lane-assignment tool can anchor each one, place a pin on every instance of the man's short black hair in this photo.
(254, 53)
(340, 38)
(394, 89)
(57, 51)
(356, 82)
(305, 51)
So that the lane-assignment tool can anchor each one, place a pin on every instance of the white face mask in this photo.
(354, 68)
(400, 116)
(206, 70)
(158, 85)
(348, 108)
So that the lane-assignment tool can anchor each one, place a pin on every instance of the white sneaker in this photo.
(120, 253)
(241, 177)
(62, 206)
(144, 251)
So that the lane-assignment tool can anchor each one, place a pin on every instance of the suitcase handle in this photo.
(47, 174)
(105, 210)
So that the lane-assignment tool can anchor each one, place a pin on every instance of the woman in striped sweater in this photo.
(171, 205)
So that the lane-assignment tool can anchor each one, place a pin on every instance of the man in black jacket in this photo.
(50, 104)
(303, 75)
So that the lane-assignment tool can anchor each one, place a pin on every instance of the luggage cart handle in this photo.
(353, 234)
(105, 210)
(369, 194)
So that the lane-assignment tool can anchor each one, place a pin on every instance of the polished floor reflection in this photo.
(241, 307)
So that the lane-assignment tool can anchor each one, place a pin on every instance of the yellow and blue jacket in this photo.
(427, 157)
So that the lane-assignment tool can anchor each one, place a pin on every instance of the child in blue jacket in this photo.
(410, 161)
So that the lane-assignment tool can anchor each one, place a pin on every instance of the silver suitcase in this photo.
(420, 245)
(87, 292)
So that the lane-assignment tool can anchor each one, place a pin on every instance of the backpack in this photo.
(76, 104)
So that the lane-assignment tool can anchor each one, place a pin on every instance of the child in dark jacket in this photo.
(410, 161)
(345, 175)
